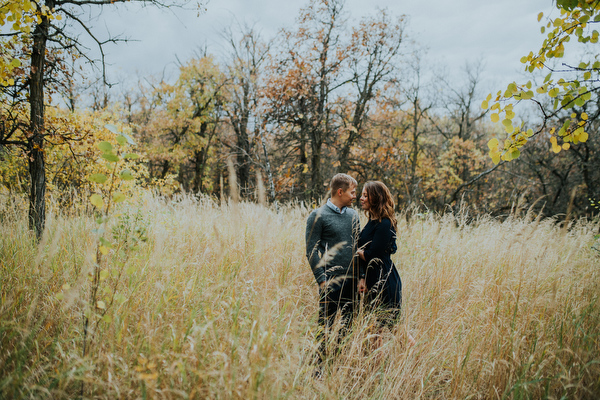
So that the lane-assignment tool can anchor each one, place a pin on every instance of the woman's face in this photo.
(364, 200)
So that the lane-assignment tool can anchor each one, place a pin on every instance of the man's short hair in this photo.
(341, 181)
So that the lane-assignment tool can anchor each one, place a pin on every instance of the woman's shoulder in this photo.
(385, 221)
(386, 224)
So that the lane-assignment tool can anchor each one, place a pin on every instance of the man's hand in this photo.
(322, 285)
(362, 285)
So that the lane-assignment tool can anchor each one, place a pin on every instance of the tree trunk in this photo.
(243, 157)
(316, 179)
(198, 170)
(414, 158)
(37, 168)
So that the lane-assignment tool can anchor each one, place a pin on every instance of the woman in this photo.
(377, 242)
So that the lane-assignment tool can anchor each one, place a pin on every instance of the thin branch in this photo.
(475, 179)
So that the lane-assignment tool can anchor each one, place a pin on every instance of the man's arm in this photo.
(314, 229)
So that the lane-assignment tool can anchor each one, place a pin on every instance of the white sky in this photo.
(497, 32)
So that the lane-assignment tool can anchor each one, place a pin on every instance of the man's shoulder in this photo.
(352, 212)
(317, 212)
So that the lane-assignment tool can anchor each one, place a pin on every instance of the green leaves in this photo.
(113, 178)
(97, 200)
(98, 178)
(112, 128)
(107, 152)
(110, 157)
(118, 197)
(126, 175)
(122, 137)
(106, 147)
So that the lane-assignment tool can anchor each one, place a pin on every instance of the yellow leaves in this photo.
(508, 126)
(529, 133)
(510, 90)
(540, 16)
(485, 103)
(557, 22)
(495, 155)
(580, 135)
(495, 117)
(496, 158)
(104, 274)
(555, 147)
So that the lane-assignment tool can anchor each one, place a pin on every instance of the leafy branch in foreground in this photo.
(565, 89)
(112, 251)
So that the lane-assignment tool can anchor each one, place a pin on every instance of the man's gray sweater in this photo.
(331, 242)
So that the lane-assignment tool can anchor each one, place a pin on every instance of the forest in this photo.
(152, 231)
(324, 96)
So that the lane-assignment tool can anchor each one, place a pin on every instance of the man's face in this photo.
(347, 197)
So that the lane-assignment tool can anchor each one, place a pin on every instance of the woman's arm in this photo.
(381, 239)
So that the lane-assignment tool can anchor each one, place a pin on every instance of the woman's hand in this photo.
(361, 254)
(362, 285)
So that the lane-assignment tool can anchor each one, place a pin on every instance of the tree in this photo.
(248, 56)
(304, 77)
(181, 131)
(37, 26)
(463, 132)
(576, 85)
(373, 57)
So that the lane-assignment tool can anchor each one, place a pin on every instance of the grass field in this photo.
(219, 302)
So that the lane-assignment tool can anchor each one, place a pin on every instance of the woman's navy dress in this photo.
(384, 287)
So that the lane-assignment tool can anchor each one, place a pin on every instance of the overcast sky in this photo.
(454, 32)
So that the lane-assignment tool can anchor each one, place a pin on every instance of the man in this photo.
(331, 234)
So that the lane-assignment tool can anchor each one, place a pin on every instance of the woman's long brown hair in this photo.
(381, 203)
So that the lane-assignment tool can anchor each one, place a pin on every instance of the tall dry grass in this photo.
(219, 302)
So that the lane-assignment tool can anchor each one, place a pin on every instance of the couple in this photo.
(346, 260)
